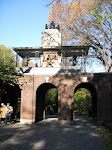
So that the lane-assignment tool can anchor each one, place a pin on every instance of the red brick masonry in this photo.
(100, 85)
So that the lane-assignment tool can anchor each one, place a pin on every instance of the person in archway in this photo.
(2, 112)
(48, 110)
(9, 111)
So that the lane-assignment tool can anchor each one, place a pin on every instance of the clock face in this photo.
(51, 37)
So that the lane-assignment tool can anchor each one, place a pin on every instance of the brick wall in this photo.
(66, 84)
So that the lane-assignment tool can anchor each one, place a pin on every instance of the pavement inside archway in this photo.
(48, 135)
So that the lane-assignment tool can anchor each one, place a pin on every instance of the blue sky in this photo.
(22, 21)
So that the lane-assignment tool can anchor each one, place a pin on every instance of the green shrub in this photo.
(107, 136)
(82, 101)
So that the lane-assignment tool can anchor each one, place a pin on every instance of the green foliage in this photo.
(51, 99)
(6, 56)
(101, 11)
(82, 101)
(7, 68)
(107, 135)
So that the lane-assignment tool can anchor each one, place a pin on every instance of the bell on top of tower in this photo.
(52, 26)
(46, 26)
(51, 36)
(58, 27)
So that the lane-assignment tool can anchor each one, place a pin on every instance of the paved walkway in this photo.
(48, 135)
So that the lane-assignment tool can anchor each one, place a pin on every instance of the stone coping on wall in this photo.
(47, 70)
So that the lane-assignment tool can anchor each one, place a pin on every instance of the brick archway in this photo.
(100, 85)
(92, 90)
(40, 100)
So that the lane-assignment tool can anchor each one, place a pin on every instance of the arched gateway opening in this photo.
(92, 90)
(43, 106)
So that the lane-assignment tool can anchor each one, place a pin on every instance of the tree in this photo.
(22, 64)
(8, 74)
(51, 99)
(82, 101)
(86, 22)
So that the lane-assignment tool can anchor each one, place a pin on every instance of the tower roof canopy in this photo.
(69, 51)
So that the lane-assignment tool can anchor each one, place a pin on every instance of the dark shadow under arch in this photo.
(13, 96)
(92, 90)
(40, 100)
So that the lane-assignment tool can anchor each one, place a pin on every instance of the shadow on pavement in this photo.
(48, 135)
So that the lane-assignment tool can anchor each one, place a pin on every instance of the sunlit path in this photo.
(48, 135)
